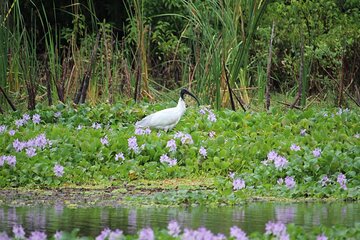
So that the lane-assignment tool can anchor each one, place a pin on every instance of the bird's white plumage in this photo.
(165, 119)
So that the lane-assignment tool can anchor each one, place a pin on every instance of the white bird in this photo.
(166, 119)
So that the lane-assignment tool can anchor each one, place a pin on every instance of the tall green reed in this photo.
(221, 34)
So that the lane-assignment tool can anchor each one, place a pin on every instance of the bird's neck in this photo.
(181, 106)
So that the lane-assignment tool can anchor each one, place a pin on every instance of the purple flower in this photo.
(341, 179)
(147, 131)
(11, 160)
(30, 152)
(280, 162)
(275, 228)
(36, 119)
(4, 236)
(79, 127)
(321, 237)
(2, 128)
(317, 152)
(211, 117)
(58, 235)
(146, 234)
(211, 134)
(171, 144)
(40, 141)
(237, 233)
(119, 155)
(187, 139)
(116, 235)
(173, 229)
(280, 181)
(139, 131)
(178, 135)
(357, 135)
(36, 235)
(164, 158)
(96, 125)
(104, 141)
(172, 162)
(12, 132)
(324, 181)
(26, 117)
(104, 234)
(238, 184)
(57, 114)
(303, 132)
(232, 175)
(272, 155)
(132, 144)
(18, 231)
(58, 170)
(202, 111)
(19, 122)
(290, 182)
(295, 147)
(203, 152)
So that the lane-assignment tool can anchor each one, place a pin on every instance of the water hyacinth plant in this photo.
(272, 229)
(89, 147)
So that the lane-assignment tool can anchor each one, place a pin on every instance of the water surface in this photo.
(250, 217)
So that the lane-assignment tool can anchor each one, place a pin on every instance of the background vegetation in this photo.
(98, 51)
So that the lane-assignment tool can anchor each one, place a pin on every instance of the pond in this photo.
(250, 217)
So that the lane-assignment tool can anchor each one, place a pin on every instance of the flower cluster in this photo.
(238, 184)
(58, 170)
(294, 147)
(171, 144)
(166, 159)
(279, 161)
(289, 182)
(133, 145)
(237, 233)
(324, 181)
(96, 125)
(203, 152)
(39, 141)
(140, 131)
(277, 229)
(2, 128)
(146, 234)
(10, 160)
(211, 116)
(185, 137)
(119, 156)
(111, 235)
(201, 233)
(173, 228)
(341, 179)
(104, 141)
(317, 152)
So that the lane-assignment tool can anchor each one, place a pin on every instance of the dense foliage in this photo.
(314, 153)
(145, 46)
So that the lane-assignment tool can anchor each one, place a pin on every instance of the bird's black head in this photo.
(184, 91)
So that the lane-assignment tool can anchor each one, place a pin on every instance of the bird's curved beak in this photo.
(184, 91)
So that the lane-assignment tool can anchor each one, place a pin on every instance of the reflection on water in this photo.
(250, 217)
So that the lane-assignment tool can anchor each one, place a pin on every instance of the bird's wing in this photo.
(160, 119)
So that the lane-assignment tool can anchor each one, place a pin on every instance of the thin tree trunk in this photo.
(81, 94)
(8, 99)
(341, 84)
(301, 73)
(268, 69)
(48, 82)
(229, 88)
(108, 53)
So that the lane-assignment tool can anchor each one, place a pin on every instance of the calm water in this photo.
(250, 217)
